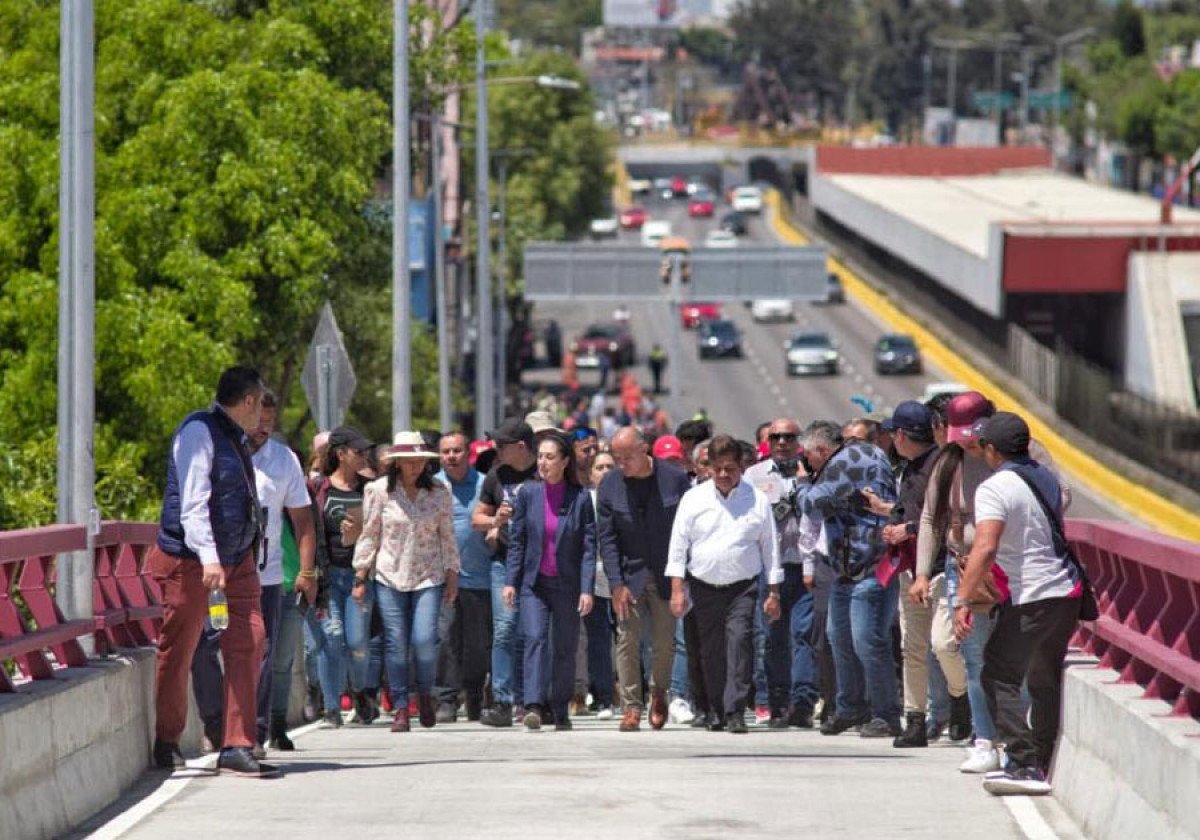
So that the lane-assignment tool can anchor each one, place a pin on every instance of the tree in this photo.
(1128, 27)
(549, 24)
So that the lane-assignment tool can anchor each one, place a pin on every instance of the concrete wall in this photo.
(972, 278)
(1124, 768)
(1156, 354)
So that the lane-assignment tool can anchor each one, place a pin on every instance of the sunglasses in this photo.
(781, 437)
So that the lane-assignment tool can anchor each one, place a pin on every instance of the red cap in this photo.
(963, 412)
(476, 447)
(764, 450)
(668, 448)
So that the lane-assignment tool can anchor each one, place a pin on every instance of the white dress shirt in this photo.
(722, 540)
(280, 483)
(193, 454)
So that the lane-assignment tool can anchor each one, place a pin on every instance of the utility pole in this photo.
(502, 283)
(952, 46)
(445, 412)
(401, 187)
(484, 372)
(1026, 72)
(76, 502)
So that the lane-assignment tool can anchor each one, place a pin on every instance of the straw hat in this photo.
(407, 445)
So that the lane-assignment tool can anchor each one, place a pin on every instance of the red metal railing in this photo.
(33, 631)
(1148, 587)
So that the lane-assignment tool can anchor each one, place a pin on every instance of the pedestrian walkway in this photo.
(464, 780)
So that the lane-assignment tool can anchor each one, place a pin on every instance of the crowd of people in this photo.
(903, 577)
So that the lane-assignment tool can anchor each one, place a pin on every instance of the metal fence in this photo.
(1092, 399)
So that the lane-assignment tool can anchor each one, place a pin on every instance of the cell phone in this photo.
(302, 603)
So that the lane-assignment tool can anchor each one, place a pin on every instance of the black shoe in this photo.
(880, 728)
(214, 737)
(498, 715)
(279, 737)
(700, 721)
(334, 718)
(914, 734)
(777, 722)
(715, 724)
(800, 719)
(563, 724)
(366, 709)
(933, 730)
(474, 708)
(736, 723)
(446, 713)
(167, 756)
(960, 718)
(836, 725)
(239, 761)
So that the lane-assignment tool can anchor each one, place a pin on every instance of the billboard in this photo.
(647, 14)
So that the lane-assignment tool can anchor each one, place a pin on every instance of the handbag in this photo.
(986, 596)
(1089, 608)
(897, 559)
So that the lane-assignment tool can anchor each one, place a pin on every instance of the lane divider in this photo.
(1138, 500)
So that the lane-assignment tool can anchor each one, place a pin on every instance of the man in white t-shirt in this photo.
(1040, 597)
(280, 484)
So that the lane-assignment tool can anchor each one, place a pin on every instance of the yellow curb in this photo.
(621, 195)
(1139, 501)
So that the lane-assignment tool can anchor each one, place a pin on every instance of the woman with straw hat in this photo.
(407, 561)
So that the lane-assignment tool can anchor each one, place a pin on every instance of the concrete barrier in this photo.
(1125, 769)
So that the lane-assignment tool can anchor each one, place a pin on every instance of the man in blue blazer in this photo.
(636, 506)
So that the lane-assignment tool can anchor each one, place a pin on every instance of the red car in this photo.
(613, 340)
(632, 218)
(695, 312)
(702, 205)
(679, 186)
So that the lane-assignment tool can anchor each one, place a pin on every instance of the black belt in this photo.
(743, 583)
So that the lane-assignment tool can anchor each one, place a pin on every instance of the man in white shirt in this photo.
(722, 540)
(1040, 597)
(279, 479)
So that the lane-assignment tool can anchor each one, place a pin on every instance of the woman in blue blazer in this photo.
(552, 561)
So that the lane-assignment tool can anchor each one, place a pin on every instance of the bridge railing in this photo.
(35, 636)
(1148, 588)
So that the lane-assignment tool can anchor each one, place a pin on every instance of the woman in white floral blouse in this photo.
(407, 560)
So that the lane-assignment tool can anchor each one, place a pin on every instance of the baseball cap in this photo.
(1006, 431)
(513, 430)
(911, 416)
(476, 447)
(963, 412)
(668, 448)
(541, 421)
(349, 436)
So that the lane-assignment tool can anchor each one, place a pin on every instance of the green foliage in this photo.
(1177, 121)
(1128, 28)
(551, 24)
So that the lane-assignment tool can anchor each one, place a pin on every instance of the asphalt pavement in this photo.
(738, 394)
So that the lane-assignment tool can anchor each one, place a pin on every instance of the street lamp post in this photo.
(484, 373)
(401, 187)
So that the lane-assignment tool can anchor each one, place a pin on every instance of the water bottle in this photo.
(218, 610)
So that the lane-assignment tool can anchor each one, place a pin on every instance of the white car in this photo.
(654, 232)
(720, 239)
(639, 186)
(748, 200)
(605, 228)
(772, 309)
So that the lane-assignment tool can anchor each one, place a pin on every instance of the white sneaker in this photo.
(605, 714)
(981, 758)
(1022, 781)
(680, 711)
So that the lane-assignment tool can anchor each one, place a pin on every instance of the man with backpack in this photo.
(1018, 529)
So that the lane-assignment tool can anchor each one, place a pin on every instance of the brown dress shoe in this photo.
(658, 709)
(426, 711)
(632, 720)
(400, 721)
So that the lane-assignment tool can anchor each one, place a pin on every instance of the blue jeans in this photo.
(600, 626)
(939, 690)
(860, 631)
(679, 666)
(345, 630)
(283, 654)
(410, 625)
(762, 695)
(791, 663)
(506, 652)
(972, 651)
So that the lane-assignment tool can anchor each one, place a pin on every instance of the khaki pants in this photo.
(921, 627)
(652, 613)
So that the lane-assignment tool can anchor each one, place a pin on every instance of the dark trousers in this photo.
(185, 610)
(696, 686)
(725, 621)
(827, 671)
(600, 630)
(466, 651)
(208, 680)
(1027, 646)
(550, 604)
(656, 371)
(790, 660)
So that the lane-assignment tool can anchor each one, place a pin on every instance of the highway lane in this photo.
(738, 394)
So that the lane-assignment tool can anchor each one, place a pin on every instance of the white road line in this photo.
(1032, 824)
(773, 388)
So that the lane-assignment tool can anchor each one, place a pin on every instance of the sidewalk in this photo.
(463, 780)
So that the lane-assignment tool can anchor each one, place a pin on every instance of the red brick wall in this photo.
(928, 160)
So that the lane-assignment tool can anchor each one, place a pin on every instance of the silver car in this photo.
(811, 352)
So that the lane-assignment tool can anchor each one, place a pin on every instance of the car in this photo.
(640, 186)
(632, 218)
(696, 186)
(719, 338)
(654, 231)
(702, 205)
(834, 293)
(613, 339)
(897, 353)
(604, 228)
(936, 389)
(772, 309)
(693, 313)
(679, 186)
(734, 222)
(747, 200)
(720, 239)
(662, 188)
(810, 352)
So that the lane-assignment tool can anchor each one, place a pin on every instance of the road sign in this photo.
(328, 376)
(989, 100)
(557, 271)
(1046, 100)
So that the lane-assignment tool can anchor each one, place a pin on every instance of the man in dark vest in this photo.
(209, 533)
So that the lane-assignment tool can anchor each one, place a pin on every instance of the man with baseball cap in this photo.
(668, 448)
(516, 463)
(1018, 515)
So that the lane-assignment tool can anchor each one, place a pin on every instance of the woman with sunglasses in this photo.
(552, 561)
